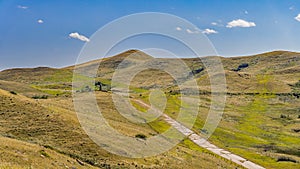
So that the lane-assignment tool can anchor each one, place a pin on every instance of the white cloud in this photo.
(298, 17)
(40, 21)
(22, 7)
(246, 12)
(240, 23)
(178, 28)
(76, 35)
(291, 8)
(217, 23)
(190, 31)
(209, 31)
(214, 23)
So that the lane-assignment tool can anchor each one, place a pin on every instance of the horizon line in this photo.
(138, 50)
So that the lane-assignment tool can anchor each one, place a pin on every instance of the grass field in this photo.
(260, 122)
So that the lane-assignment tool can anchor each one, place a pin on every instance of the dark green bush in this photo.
(13, 92)
(141, 136)
(40, 97)
(241, 66)
(283, 116)
(287, 159)
(43, 152)
(297, 84)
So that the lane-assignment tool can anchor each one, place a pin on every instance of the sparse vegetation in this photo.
(40, 97)
(260, 121)
(43, 152)
(297, 84)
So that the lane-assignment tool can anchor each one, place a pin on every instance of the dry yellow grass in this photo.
(17, 154)
(52, 123)
(251, 125)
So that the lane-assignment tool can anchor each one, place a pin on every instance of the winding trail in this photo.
(198, 140)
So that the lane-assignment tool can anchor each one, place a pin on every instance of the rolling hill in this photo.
(261, 121)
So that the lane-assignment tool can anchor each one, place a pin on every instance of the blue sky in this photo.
(37, 33)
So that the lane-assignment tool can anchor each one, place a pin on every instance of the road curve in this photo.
(198, 140)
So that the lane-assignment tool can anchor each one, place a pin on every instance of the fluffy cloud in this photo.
(22, 7)
(217, 23)
(240, 23)
(190, 31)
(214, 23)
(76, 35)
(40, 21)
(178, 28)
(196, 31)
(298, 17)
(209, 31)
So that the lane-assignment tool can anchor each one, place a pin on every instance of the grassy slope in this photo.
(251, 125)
(18, 154)
(52, 123)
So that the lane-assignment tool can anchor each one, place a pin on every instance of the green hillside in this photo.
(261, 121)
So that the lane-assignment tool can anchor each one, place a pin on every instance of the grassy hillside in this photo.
(260, 122)
(18, 154)
(281, 67)
(52, 125)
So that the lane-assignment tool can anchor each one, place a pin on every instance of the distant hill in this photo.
(280, 67)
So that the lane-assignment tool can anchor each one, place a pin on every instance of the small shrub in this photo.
(204, 131)
(40, 97)
(43, 152)
(141, 136)
(297, 84)
(49, 147)
(241, 66)
(283, 116)
(13, 92)
(196, 71)
(44, 97)
(296, 130)
(287, 159)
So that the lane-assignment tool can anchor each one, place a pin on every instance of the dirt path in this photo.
(197, 139)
